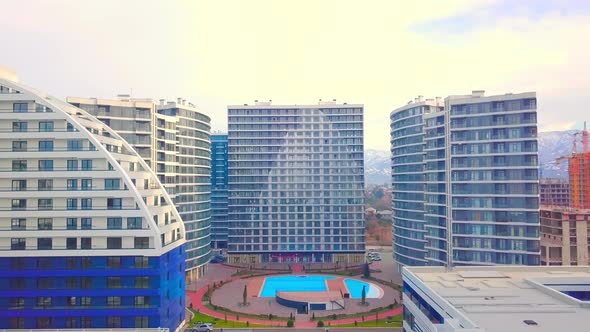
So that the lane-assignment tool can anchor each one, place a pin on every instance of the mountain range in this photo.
(552, 146)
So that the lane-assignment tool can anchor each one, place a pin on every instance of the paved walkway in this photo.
(196, 298)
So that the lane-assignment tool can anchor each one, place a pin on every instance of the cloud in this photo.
(379, 53)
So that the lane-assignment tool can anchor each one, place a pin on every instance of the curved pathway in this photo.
(196, 299)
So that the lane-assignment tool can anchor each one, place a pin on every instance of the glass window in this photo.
(114, 322)
(19, 126)
(86, 223)
(86, 243)
(46, 126)
(112, 184)
(72, 165)
(114, 243)
(45, 145)
(141, 282)
(72, 184)
(114, 223)
(113, 282)
(19, 146)
(19, 185)
(141, 321)
(141, 242)
(141, 301)
(44, 243)
(114, 262)
(19, 204)
(70, 127)
(18, 224)
(75, 145)
(45, 224)
(86, 184)
(45, 184)
(86, 301)
(86, 203)
(71, 322)
(19, 165)
(72, 243)
(86, 164)
(45, 204)
(86, 322)
(18, 244)
(71, 300)
(72, 223)
(113, 301)
(113, 204)
(141, 262)
(44, 322)
(134, 223)
(46, 165)
(20, 107)
(72, 204)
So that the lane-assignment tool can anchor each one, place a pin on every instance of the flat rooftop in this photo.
(501, 298)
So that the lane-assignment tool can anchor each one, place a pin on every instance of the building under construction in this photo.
(579, 174)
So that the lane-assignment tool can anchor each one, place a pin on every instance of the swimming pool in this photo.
(314, 283)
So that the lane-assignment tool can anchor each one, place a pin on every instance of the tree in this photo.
(290, 323)
(320, 323)
(366, 271)
(245, 295)
(364, 296)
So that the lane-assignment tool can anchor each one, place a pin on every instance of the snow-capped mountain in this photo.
(377, 167)
(552, 145)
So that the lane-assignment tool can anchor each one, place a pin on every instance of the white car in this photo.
(376, 258)
(207, 327)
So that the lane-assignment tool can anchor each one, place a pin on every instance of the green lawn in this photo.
(382, 322)
(218, 323)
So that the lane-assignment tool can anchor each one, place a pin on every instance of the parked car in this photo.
(218, 259)
(207, 327)
(376, 258)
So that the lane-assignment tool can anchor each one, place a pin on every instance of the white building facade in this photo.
(174, 139)
(296, 183)
(89, 238)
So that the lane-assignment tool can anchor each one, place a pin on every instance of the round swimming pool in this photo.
(315, 283)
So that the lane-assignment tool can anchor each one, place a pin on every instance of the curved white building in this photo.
(174, 140)
(89, 238)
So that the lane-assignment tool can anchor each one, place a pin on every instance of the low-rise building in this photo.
(496, 298)
(564, 236)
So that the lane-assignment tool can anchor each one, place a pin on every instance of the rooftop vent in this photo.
(478, 93)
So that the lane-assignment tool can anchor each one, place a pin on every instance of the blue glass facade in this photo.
(407, 175)
(495, 181)
(93, 292)
(466, 173)
(219, 193)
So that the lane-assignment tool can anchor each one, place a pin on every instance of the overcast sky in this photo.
(378, 53)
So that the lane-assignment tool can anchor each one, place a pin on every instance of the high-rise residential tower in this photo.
(89, 238)
(465, 180)
(174, 139)
(296, 183)
(219, 176)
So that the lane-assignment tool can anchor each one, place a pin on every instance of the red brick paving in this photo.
(196, 298)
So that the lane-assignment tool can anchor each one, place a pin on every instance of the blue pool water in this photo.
(313, 284)
(355, 287)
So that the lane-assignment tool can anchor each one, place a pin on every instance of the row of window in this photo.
(46, 243)
(47, 165)
(80, 283)
(44, 146)
(72, 223)
(71, 184)
(78, 322)
(71, 204)
(74, 263)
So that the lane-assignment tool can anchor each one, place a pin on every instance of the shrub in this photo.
(320, 323)
(247, 324)
(333, 316)
(269, 316)
(290, 323)
(356, 323)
